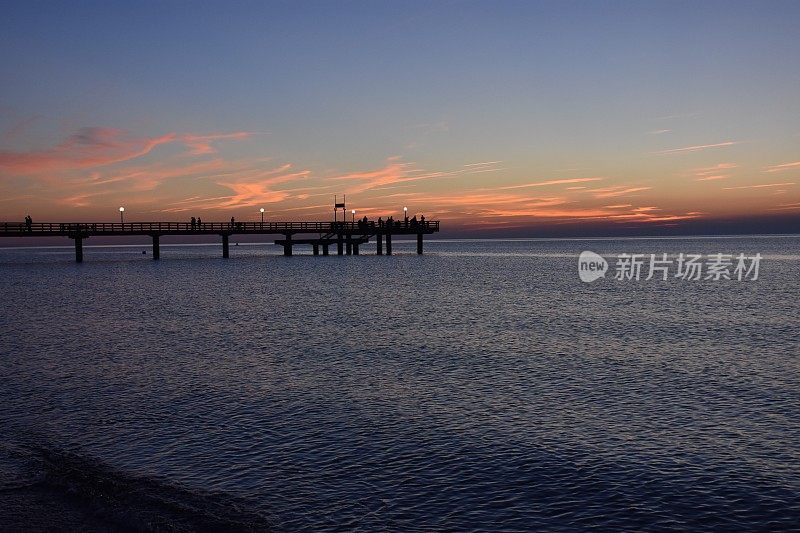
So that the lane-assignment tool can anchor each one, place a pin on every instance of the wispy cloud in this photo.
(715, 172)
(96, 147)
(483, 164)
(696, 148)
(786, 207)
(759, 186)
(547, 183)
(678, 115)
(202, 144)
(782, 167)
(658, 132)
(398, 172)
(89, 147)
(619, 190)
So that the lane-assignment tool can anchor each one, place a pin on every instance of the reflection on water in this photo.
(478, 386)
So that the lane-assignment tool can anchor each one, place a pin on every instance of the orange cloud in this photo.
(546, 183)
(716, 172)
(619, 190)
(259, 188)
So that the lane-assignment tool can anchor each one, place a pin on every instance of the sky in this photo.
(508, 118)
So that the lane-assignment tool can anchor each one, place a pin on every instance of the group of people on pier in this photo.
(365, 223)
(407, 223)
(196, 223)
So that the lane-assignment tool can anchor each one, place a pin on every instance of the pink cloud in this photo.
(90, 147)
(96, 147)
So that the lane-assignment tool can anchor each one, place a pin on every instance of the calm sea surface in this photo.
(480, 386)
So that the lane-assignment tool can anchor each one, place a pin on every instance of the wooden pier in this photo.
(345, 237)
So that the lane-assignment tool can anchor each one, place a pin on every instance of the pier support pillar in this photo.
(355, 248)
(349, 246)
(324, 249)
(388, 244)
(380, 244)
(225, 250)
(156, 247)
(316, 249)
(419, 243)
(340, 244)
(287, 245)
(78, 249)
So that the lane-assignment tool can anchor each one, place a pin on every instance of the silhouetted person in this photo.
(194, 222)
(198, 222)
(28, 222)
(422, 220)
(233, 222)
(380, 222)
(414, 222)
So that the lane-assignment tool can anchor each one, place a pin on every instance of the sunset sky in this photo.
(517, 116)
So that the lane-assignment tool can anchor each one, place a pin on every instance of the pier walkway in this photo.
(347, 237)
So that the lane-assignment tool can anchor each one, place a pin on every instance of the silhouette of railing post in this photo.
(156, 247)
(78, 247)
(287, 245)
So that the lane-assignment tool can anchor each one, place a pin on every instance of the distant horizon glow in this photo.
(492, 118)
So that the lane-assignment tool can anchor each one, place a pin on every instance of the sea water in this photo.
(480, 386)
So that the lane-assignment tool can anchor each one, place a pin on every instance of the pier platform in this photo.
(346, 238)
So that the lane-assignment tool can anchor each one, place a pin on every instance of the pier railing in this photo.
(139, 228)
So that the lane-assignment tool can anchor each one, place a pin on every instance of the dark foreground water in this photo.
(482, 386)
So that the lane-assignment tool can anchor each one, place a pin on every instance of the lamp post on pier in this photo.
(262, 216)
(122, 215)
(354, 215)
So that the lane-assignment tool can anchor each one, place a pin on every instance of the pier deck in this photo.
(347, 237)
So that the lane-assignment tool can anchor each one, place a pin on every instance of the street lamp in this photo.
(262, 215)
(122, 215)
(354, 215)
